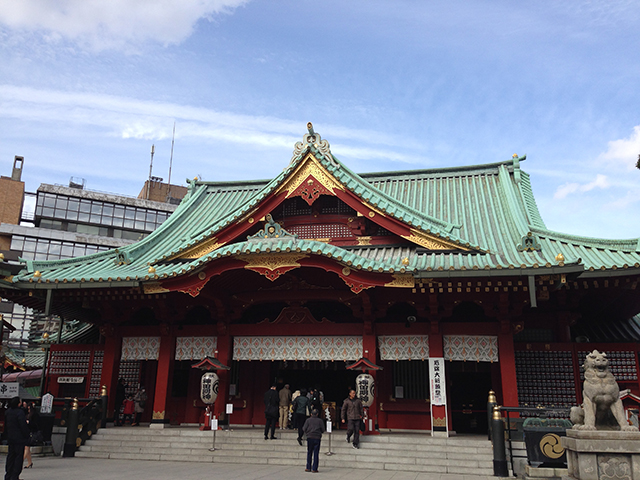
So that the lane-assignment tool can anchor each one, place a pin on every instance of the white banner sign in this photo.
(47, 403)
(70, 379)
(8, 390)
(437, 381)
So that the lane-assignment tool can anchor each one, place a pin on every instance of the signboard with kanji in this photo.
(437, 381)
(47, 403)
(8, 390)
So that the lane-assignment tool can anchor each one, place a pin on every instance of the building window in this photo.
(413, 377)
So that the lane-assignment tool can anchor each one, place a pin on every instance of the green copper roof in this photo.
(489, 207)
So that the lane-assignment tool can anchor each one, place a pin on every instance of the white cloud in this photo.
(625, 202)
(104, 24)
(130, 118)
(566, 189)
(624, 152)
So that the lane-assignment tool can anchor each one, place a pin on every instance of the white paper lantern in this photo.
(209, 387)
(365, 389)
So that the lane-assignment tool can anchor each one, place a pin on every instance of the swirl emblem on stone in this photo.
(550, 446)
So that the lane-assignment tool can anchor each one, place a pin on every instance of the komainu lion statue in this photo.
(601, 406)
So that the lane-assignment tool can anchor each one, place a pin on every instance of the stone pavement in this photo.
(57, 468)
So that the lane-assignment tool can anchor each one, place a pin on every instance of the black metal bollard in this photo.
(72, 431)
(491, 402)
(500, 468)
(104, 404)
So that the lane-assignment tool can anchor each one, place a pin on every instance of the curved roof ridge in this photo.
(446, 226)
(448, 171)
(631, 244)
(526, 192)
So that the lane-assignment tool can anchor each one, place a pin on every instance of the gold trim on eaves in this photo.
(431, 242)
(199, 250)
(402, 281)
(153, 287)
(272, 261)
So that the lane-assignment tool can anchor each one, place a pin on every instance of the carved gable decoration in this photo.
(271, 230)
(529, 243)
(272, 265)
(296, 315)
(310, 180)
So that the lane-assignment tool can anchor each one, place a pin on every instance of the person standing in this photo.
(285, 401)
(271, 401)
(314, 428)
(35, 435)
(121, 393)
(352, 413)
(15, 424)
(140, 401)
(300, 407)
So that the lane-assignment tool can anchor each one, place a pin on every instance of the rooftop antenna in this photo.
(153, 149)
(173, 138)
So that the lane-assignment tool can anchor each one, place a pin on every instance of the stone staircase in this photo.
(413, 452)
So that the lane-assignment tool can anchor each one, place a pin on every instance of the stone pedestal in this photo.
(546, 473)
(602, 455)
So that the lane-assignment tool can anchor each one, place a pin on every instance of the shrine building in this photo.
(292, 280)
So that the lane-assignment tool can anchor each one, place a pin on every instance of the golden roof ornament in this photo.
(1, 257)
(515, 155)
(560, 258)
(152, 269)
(405, 261)
(37, 274)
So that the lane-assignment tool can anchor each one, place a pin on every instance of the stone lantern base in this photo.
(602, 455)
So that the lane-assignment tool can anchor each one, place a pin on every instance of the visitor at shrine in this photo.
(271, 401)
(129, 410)
(313, 428)
(140, 401)
(17, 431)
(300, 409)
(285, 401)
(120, 396)
(352, 413)
(315, 400)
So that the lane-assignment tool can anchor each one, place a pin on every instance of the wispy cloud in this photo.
(563, 191)
(99, 24)
(624, 152)
(129, 118)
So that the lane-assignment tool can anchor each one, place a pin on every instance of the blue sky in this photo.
(87, 87)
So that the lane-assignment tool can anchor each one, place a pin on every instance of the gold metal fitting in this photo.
(405, 261)
(152, 269)
(74, 404)
(45, 336)
(23, 361)
(103, 391)
(496, 413)
(515, 155)
(559, 258)
(492, 397)
(1, 257)
(37, 274)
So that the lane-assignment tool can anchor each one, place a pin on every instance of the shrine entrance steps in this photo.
(412, 452)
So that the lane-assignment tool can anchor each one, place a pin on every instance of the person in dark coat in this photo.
(15, 424)
(271, 402)
(313, 428)
(300, 407)
(352, 413)
(121, 394)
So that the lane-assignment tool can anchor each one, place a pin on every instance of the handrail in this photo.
(539, 411)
